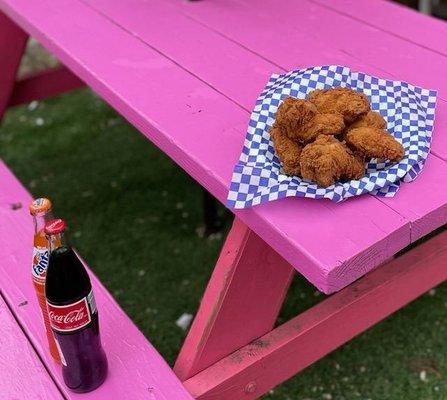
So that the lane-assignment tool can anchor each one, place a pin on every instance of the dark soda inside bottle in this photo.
(74, 316)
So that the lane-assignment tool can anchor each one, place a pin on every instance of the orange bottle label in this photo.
(39, 266)
(41, 256)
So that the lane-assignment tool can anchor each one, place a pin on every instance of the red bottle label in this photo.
(70, 317)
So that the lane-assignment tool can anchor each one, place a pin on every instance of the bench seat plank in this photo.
(22, 375)
(154, 94)
(136, 370)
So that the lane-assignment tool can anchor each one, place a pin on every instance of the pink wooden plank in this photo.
(364, 47)
(424, 201)
(394, 18)
(172, 33)
(12, 44)
(427, 214)
(134, 79)
(253, 370)
(241, 303)
(136, 370)
(23, 375)
(44, 84)
(324, 37)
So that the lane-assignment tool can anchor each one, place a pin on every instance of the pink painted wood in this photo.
(424, 215)
(136, 370)
(23, 375)
(12, 44)
(44, 84)
(288, 349)
(133, 77)
(396, 19)
(172, 32)
(331, 41)
(241, 302)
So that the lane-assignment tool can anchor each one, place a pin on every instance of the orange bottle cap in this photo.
(40, 207)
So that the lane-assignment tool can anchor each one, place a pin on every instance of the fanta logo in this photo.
(40, 262)
(71, 317)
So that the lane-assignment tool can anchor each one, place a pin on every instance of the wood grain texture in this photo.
(325, 37)
(134, 77)
(12, 45)
(256, 368)
(391, 17)
(424, 201)
(136, 370)
(44, 84)
(22, 376)
(241, 303)
(275, 42)
(212, 60)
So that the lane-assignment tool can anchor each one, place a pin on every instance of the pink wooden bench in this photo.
(186, 74)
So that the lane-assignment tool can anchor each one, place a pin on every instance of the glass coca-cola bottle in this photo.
(73, 315)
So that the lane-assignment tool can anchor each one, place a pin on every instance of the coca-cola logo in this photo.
(70, 317)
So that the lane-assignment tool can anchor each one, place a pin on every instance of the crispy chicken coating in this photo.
(347, 102)
(287, 150)
(372, 119)
(327, 160)
(375, 143)
(302, 122)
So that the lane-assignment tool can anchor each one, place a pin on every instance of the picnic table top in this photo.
(187, 74)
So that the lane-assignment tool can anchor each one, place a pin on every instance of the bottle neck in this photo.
(39, 222)
(56, 241)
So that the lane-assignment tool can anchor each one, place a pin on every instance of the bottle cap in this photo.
(55, 226)
(40, 207)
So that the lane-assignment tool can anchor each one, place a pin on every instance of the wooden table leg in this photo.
(241, 302)
(12, 46)
(254, 369)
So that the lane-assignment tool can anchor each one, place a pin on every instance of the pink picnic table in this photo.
(187, 74)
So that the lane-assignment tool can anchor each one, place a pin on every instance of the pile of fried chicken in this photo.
(329, 136)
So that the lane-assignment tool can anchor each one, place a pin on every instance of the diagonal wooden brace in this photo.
(266, 362)
(241, 302)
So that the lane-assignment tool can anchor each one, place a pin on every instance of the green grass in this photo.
(135, 216)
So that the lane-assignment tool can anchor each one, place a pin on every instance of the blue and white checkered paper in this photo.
(409, 111)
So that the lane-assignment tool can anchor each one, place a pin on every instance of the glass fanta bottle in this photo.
(40, 209)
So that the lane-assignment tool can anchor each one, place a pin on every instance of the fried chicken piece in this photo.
(327, 160)
(372, 119)
(287, 150)
(301, 121)
(375, 143)
(347, 102)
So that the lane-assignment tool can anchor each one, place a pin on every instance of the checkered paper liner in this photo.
(409, 111)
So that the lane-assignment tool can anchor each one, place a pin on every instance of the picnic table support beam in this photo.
(266, 362)
(241, 303)
(12, 46)
(43, 84)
